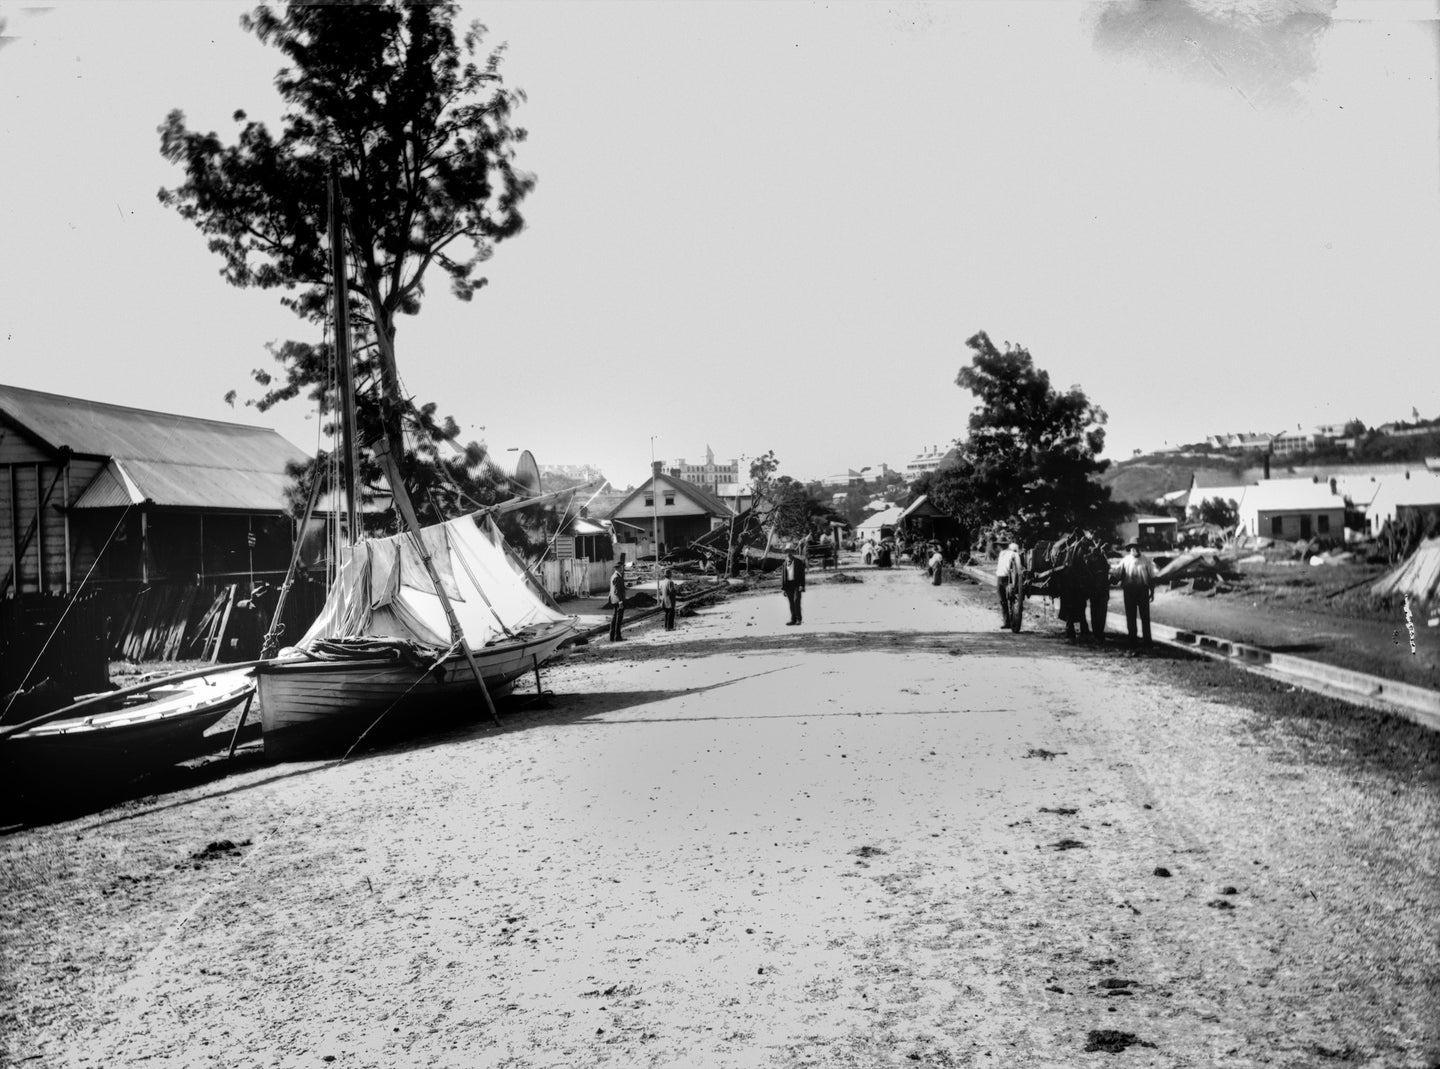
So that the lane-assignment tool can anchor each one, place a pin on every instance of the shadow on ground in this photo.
(518, 712)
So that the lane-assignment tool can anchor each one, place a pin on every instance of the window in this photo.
(1277, 526)
(649, 501)
(669, 499)
(1322, 523)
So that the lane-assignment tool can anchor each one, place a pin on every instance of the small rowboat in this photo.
(155, 725)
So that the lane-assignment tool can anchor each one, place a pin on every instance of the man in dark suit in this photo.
(617, 599)
(792, 582)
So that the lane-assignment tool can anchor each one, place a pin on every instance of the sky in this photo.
(773, 225)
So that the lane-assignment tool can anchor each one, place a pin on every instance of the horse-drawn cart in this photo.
(1073, 570)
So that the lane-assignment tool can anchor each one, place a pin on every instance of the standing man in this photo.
(617, 598)
(1003, 564)
(792, 582)
(666, 592)
(1137, 582)
(936, 566)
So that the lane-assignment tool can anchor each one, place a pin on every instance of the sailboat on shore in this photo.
(439, 614)
(383, 641)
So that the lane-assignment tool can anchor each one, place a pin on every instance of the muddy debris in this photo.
(1161, 870)
(1110, 1041)
(1060, 811)
(219, 848)
(1068, 844)
(1044, 755)
(1220, 903)
(868, 851)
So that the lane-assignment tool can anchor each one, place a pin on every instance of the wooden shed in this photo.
(125, 500)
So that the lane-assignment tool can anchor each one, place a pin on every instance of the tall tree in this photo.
(762, 476)
(419, 127)
(1032, 453)
(799, 510)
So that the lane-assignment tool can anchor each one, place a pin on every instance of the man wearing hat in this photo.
(1137, 583)
(792, 582)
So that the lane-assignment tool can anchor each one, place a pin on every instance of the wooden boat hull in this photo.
(312, 708)
(168, 727)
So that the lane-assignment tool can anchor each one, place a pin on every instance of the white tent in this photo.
(1418, 575)
(384, 591)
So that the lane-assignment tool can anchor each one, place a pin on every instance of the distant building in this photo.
(709, 474)
(1287, 442)
(1154, 533)
(849, 478)
(929, 459)
(1407, 430)
(1291, 509)
(736, 496)
(1228, 493)
(1398, 498)
(584, 472)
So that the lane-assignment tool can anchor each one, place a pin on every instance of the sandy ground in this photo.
(895, 835)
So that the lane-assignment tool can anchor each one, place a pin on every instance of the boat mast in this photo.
(390, 438)
(345, 370)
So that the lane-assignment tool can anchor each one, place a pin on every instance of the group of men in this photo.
(1136, 574)
(667, 593)
(1137, 586)
(792, 585)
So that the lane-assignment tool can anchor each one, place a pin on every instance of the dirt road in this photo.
(895, 835)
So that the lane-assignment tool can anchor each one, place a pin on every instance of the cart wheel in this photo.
(1017, 609)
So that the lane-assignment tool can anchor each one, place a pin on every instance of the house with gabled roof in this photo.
(100, 493)
(1406, 498)
(671, 509)
(1292, 509)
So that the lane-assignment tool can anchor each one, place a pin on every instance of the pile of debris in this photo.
(1201, 569)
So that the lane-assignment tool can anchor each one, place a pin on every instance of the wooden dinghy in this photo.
(157, 724)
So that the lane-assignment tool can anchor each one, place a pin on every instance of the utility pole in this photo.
(655, 505)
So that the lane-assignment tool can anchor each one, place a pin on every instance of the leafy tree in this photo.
(1220, 513)
(762, 475)
(1032, 454)
(419, 129)
(798, 509)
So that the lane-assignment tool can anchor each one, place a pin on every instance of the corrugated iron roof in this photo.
(178, 461)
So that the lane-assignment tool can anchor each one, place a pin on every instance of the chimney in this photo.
(655, 468)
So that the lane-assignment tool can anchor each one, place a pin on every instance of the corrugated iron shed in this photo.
(174, 461)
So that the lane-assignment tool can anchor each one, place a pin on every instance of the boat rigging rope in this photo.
(68, 606)
(361, 737)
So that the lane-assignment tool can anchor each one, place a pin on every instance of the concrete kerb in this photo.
(1418, 704)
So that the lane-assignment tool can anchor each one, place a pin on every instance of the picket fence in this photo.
(573, 578)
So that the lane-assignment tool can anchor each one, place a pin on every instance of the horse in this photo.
(1075, 571)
